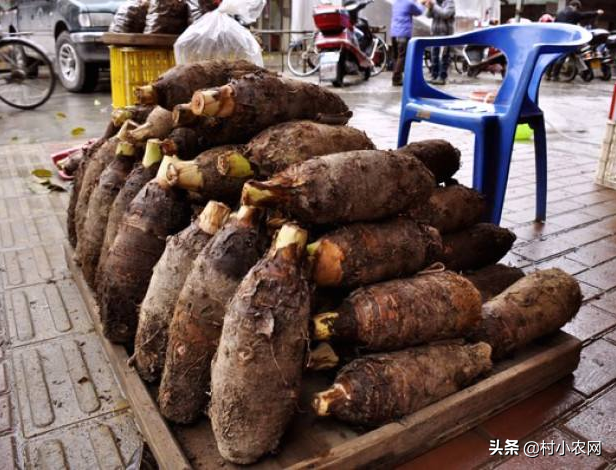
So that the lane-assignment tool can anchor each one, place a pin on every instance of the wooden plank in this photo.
(136, 40)
(415, 434)
(152, 425)
(314, 443)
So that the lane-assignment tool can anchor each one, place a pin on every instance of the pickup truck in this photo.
(69, 31)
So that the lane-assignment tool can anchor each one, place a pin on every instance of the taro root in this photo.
(110, 183)
(363, 253)
(345, 187)
(137, 179)
(253, 103)
(535, 306)
(155, 213)
(95, 167)
(451, 209)
(257, 370)
(166, 17)
(476, 247)
(403, 312)
(158, 125)
(167, 281)
(197, 321)
(177, 85)
(380, 388)
(284, 144)
(441, 158)
(217, 173)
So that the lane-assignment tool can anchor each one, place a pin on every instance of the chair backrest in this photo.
(529, 48)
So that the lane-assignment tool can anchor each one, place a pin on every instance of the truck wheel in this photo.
(75, 74)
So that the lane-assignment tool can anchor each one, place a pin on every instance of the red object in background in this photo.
(331, 20)
(57, 157)
(611, 114)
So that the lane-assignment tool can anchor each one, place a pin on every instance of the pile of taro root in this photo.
(239, 234)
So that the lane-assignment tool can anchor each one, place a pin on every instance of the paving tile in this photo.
(584, 235)
(597, 367)
(594, 197)
(537, 230)
(542, 249)
(529, 415)
(603, 209)
(568, 460)
(63, 381)
(33, 265)
(22, 233)
(7, 452)
(611, 336)
(468, 450)
(45, 311)
(607, 302)
(567, 265)
(595, 253)
(589, 292)
(565, 205)
(573, 219)
(589, 322)
(33, 207)
(602, 276)
(597, 422)
(4, 384)
(6, 420)
(106, 443)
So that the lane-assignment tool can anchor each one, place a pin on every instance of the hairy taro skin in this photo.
(136, 180)
(153, 215)
(156, 310)
(364, 253)
(373, 184)
(403, 312)
(197, 321)
(257, 371)
(380, 388)
(282, 145)
(439, 156)
(494, 279)
(535, 306)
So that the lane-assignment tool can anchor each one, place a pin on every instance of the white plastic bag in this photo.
(216, 35)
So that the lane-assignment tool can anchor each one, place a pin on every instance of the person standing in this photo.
(443, 14)
(401, 30)
(571, 14)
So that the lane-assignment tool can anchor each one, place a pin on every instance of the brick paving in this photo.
(577, 237)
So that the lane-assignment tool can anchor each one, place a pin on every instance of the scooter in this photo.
(345, 43)
(589, 60)
(484, 59)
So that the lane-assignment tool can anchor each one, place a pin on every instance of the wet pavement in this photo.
(60, 405)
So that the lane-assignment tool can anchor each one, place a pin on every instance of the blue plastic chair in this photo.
(529, 48)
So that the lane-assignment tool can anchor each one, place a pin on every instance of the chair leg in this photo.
(403, 132)
(482, 147)
(498, 145)
(541, 169)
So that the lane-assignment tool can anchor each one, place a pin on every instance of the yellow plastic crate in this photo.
(132, 67)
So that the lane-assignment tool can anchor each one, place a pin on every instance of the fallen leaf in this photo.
(60, 115)
(97, 103)
(42, 173)
(14, 138)
(37, 188)
(77, 131)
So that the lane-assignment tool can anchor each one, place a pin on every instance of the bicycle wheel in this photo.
(378, 56)
(303, 57)
(460, 65)
(27, 77)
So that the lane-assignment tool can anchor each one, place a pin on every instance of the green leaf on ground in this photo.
(60, 115)
(14, 138)
(42, 173)
(77, 131)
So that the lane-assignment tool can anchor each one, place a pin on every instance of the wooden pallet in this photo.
(139, 40)
(315, 443)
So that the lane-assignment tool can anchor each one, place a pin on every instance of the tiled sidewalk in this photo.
(60, 404)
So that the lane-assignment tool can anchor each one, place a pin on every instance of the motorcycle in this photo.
(483, 59)
(345, 43)
(589, 60)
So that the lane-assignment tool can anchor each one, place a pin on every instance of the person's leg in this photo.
(444, 63)
(396, 79)
(435, 58)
